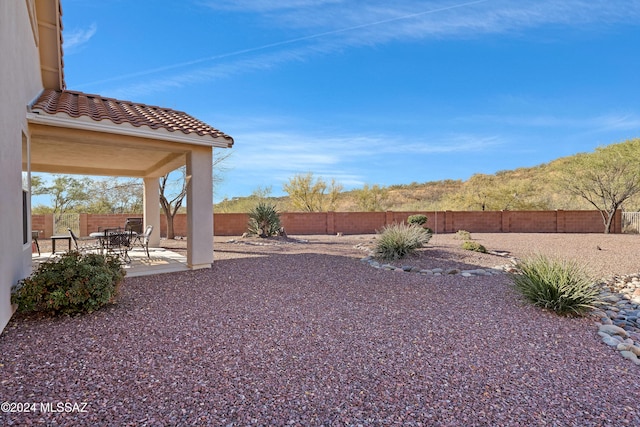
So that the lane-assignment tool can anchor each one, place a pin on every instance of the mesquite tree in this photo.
(173, 191)
(309, 194)
(606, 178)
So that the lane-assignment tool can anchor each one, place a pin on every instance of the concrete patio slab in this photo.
(160, 261)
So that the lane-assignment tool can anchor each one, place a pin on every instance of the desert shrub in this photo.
(558, 285)
(74, 283)
(399, 240)
(462, 235)
(417, 219)
(264, 220)
(470, 245)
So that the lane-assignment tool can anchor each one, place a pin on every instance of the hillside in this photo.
(533, 188)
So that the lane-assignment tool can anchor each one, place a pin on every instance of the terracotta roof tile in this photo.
(77, 104)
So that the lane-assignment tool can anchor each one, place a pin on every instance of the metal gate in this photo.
(62, 222)
(631, 222)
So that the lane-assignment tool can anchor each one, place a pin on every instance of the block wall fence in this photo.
(297, 223)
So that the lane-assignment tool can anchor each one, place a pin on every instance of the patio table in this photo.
(116, 246)
(66, 237)
(100, 235)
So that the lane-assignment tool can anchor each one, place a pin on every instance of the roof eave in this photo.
(107, 126)
(49, 15)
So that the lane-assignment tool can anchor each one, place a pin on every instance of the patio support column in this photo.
(151, 201)
(199, 208)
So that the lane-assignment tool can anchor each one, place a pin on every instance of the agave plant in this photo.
(264, 220)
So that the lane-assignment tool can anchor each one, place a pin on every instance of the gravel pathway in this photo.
(306, 334)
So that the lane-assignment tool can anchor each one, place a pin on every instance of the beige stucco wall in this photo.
(20, 83)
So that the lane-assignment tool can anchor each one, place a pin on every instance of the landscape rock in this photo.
(612, 330)
(631, 356)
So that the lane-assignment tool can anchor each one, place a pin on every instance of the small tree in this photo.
(115, 196)
(606, 178)
(334, 192)
(67, 193)
(371, 198)
(307, 193)
(171, 205)
(171, 200)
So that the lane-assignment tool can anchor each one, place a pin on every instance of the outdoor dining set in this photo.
(113, 241)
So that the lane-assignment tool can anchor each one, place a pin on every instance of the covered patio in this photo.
(160, 260)
(77, 133)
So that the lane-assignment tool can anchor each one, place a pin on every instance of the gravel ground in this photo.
(290, 333)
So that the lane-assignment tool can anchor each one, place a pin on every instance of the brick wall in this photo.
(97, 222)
(38, 223)
(234, 224)
(358, 222)
(231, 224)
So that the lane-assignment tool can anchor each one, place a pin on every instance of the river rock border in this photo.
(439, 271)
(618, 317)
(500, 269)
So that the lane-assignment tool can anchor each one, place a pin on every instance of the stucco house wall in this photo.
(21, 83)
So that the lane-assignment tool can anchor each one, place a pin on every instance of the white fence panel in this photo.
(62, 222)
(631, 222)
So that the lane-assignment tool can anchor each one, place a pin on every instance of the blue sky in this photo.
(370, 92)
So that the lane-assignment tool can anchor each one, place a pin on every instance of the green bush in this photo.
(74, 283)
(462, 235)
(417, 219)
(399, 240)
(264, 220)
(470, 245)
(561, 286)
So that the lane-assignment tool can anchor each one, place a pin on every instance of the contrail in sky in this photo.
(282, 43)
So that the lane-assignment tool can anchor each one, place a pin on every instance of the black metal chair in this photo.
(86, 246)
(118, 242)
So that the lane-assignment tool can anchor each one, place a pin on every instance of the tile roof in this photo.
(77, 104)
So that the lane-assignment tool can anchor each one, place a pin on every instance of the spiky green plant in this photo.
(470, 245)
(558, 285)
(264, 220)
(396, 241)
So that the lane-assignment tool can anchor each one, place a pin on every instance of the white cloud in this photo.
(604, 122)
(618, 122)
(452, 144)
(290, 153)
(378, 21)
(273, 157)
(76, 39)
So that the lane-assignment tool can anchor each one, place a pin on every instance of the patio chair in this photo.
(143, 239)
(133, 224)
(86, 246)
(118, 243)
